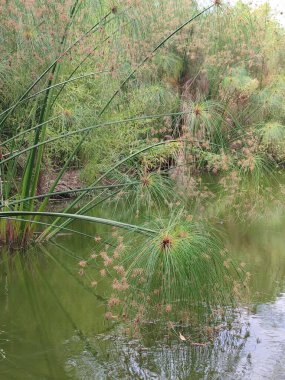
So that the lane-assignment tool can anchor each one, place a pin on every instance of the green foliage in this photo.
(181, 268)
(168, 66)
(241, 82)
(273, 138)
(271, 99)
(154, 192)
(119, 141)
(115, 90)
(273, 133)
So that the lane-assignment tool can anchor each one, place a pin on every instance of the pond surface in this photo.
(53, 327)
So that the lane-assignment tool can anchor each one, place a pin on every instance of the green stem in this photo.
(51, 66)
(86, 207)
(72, 191)
(86, 218)
(87, 129)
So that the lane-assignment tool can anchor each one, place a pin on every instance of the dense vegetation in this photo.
(143, 98)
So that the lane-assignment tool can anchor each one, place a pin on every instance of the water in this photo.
(52, 327)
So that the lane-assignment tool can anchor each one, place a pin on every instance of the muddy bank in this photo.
(69, 181)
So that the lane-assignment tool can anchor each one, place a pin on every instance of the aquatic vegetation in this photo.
(182, 268)
(178, 271)
(273, 138)
(33, 166)
(142, 152)
(176, 93)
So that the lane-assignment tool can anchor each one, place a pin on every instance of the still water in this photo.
(53, 327)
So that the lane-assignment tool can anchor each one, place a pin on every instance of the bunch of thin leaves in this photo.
(180, 268)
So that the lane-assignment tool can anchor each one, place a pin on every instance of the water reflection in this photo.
(119, 358)
(263, 356)
(255, 350)
(43, 307)
(52, 327)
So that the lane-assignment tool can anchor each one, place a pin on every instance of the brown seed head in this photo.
(197, 111)
(166, 242)
(145, 181)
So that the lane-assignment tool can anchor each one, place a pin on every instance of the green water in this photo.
(51, 327)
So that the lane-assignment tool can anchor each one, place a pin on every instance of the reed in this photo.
(22, 199)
